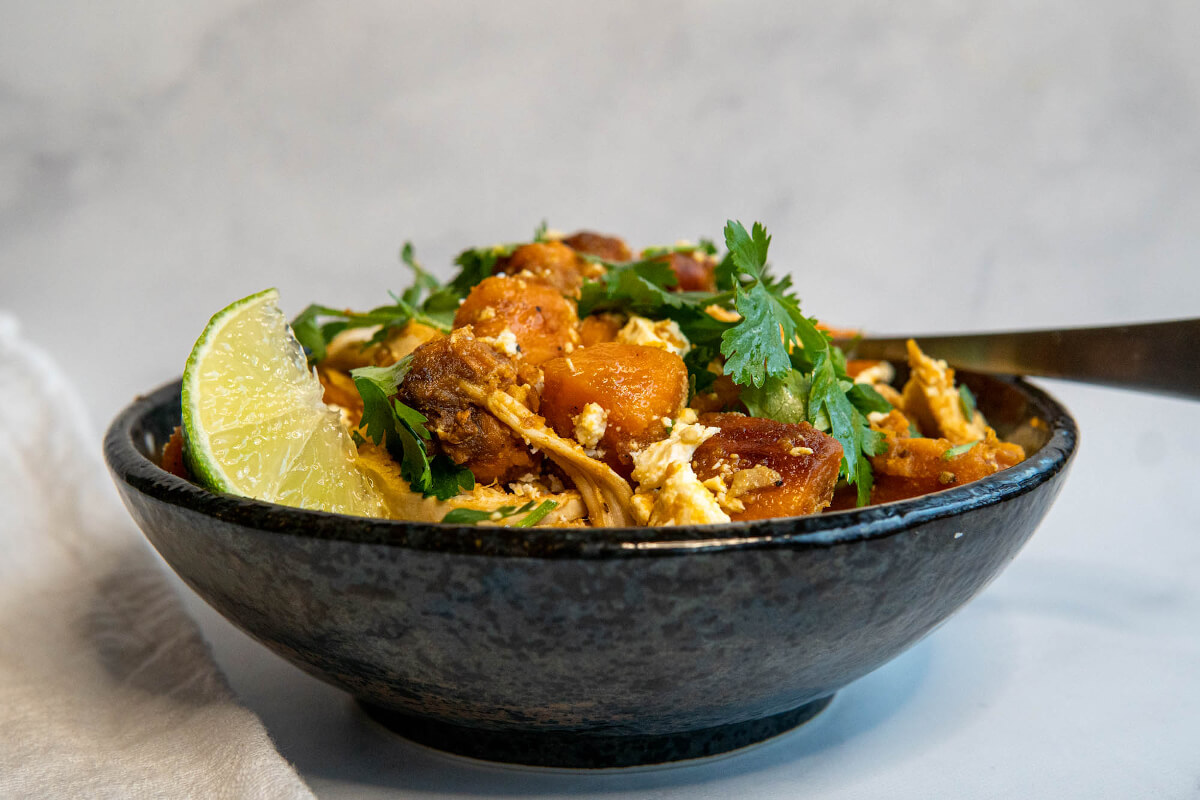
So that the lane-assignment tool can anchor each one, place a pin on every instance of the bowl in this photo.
(604, 647)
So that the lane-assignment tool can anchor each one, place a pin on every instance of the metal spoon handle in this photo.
(1160, 357)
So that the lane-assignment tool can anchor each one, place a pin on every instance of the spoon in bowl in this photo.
(1159, 357)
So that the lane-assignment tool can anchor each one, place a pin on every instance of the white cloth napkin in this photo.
(106, 687)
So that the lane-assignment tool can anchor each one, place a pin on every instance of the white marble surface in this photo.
(935, 167)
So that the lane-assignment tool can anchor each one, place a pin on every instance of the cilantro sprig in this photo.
(476, 263)
(401, 429)
(787, 368)
(776, 347)
(317, 325)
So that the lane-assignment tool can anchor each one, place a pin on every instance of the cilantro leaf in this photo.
(476, 264)
(637, 287)
(447, 479)
(867, 400)
(308, 333)
(748, 250)
(725, 274)
(830, 409)
(401, 430)
(754, 348)
(761, 344)
(783, 399)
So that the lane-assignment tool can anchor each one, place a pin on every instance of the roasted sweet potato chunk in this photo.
(597, 328)
(610, 248)
(552, 263)
(636, 386)
(723, 395)
(775, 469)
(913, 466)
(696, 272)
(541, 319)
(172, 455)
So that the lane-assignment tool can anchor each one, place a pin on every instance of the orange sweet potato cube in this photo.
(803, 461)
(542, 320)
(636, 386)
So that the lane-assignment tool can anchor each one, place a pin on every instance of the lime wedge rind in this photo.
(254, 421)
(197, 452)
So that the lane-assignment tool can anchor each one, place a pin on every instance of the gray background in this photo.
(923, 167)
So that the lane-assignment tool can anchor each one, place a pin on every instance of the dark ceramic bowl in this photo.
(594, 648)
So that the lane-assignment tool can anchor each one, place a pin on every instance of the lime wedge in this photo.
(254, 422)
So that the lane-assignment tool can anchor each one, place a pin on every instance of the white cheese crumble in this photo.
(663, 334)
(669, 493)
(590, 424)
(504, 342)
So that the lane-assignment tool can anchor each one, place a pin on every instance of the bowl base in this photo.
(587, 749)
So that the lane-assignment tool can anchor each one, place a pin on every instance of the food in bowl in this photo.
(566, 382)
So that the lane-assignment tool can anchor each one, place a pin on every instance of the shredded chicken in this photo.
(604, 492)
(403, 503)
(930, 398)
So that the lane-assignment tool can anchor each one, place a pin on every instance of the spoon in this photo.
(1159, 357)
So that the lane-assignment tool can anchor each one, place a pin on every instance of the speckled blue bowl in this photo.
(594, 648)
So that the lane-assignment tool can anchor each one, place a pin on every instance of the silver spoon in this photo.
(1160, 357)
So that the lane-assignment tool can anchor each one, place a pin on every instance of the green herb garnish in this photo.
(959, 449)
(471, 516)
(967, 401)
(401, 429)
(316, 325)
(705, 246)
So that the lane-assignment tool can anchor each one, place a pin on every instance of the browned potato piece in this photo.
(340, 390)
(470, 435)
(805, 479)
(915, 466)
(723, 395)
(172, 455)
(551, 263)
(597, 328)
(695, 272)
(542, 320)
(636, 386)
(610, 248)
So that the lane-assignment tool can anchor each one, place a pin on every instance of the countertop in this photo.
(933, 168)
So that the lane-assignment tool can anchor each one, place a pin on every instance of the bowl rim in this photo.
(135, 472)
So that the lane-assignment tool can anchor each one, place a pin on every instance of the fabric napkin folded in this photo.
(106, 687)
